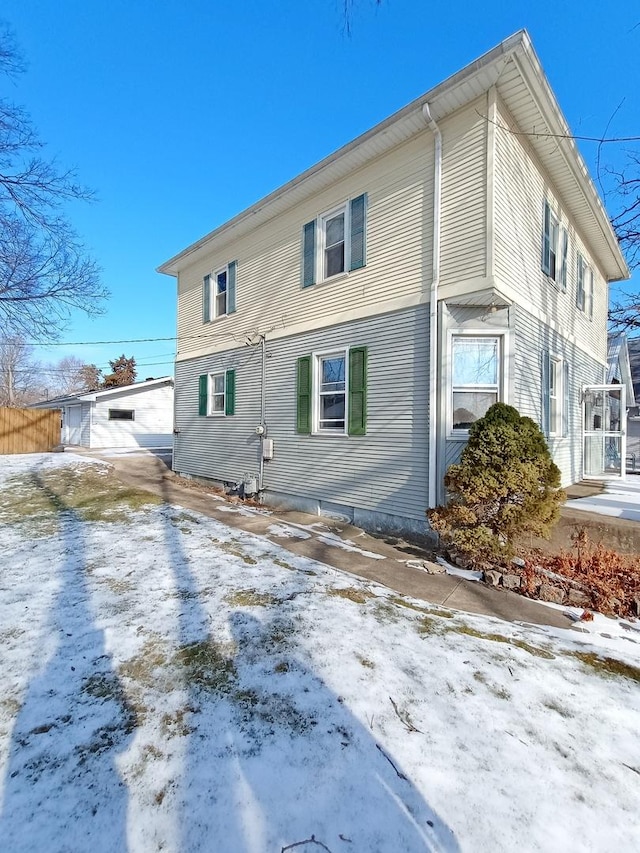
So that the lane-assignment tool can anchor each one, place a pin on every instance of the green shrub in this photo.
(505, 484)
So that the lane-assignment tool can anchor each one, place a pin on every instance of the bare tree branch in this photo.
(46, 272)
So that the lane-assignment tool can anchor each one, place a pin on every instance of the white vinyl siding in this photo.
(152, 425)
(464, 192)
(521, 188)
(399, 212)
(385, 473)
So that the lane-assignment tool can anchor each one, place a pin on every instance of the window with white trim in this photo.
(475, 384)
(331, 392)
(219, 293)
(584, 286)
(216, 394)
(332, 236)
(555, 396)
(555, 248)
(335, 242)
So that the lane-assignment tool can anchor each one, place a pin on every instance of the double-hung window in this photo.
(331, 383)
(333, 239)
(475, 385)
(335, 242)
(555, 395)
(584, 286)
(216, 393)
(219, 293)
(555, 248)
(332, 392)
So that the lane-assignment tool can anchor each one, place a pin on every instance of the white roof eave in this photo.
(448, 96)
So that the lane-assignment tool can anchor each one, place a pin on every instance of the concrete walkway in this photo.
(618, 499)
(388, 561)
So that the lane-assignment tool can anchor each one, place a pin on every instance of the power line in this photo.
(548, 135)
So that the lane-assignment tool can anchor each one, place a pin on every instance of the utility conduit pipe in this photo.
(433, 308)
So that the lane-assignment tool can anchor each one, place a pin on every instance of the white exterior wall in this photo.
(153, 419)
(383, 474)
(399, 186)
(520, 190)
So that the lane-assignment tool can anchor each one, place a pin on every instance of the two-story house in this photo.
(337, 338)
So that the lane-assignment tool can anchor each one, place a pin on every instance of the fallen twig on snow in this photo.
(404, 719)
(399, 774)
(311, 840)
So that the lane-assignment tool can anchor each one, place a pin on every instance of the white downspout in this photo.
(433, 309)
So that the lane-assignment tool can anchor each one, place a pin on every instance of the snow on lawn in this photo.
(168, 683)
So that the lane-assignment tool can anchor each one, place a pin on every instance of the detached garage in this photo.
(139, 415)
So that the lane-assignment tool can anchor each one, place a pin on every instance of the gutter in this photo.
(433, 308)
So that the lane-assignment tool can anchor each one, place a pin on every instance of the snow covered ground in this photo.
(168, 683)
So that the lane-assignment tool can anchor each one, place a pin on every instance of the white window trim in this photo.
(345, 208)
(315, 391)
(556, 365)
(213, 292)
(210, 394)
(555, 246)
(587, 285)
(504, 337)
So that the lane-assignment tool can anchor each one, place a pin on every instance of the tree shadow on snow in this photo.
(274, 756)
(62, 790)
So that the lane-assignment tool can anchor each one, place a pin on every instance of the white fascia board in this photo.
(304, 185)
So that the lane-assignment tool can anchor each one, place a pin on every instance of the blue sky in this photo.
(181, 113)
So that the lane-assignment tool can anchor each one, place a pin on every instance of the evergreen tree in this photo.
(505, 484)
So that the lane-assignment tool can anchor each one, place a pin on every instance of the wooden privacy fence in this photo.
(29, 430)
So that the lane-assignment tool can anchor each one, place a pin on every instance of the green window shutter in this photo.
(565, 399)
(303, 419)
(206, 299)
(358, 391)
(546, 371)
(231, 287)
(230, 392)
(309, 254)
(203, 384)
(358, 232)
(590, 292)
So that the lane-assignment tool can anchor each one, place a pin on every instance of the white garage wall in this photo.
(153, 418)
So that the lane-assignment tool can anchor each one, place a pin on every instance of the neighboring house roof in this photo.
(515, 70)
(91, 396)
(619, 366)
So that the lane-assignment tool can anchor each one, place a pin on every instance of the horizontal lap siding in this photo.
(399, 227)
(152, 425)
(532, 337)
(384, 471)
(464, 191)
(520, 190)
(218, 447)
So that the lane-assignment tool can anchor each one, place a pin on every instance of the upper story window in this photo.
(555, 247)
(332, 234)
(219, 293)
(475, 383)
(335, 242)
(584, 286)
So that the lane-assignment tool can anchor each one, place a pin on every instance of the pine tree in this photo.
(505, 484)
(123, 372)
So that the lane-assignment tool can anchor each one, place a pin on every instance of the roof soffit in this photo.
(515, 70)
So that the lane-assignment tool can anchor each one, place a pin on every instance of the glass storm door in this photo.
(604, 441)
